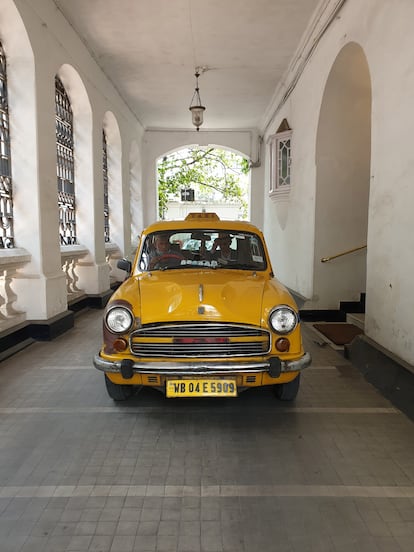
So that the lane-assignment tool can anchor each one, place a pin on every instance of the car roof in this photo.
(208, 221)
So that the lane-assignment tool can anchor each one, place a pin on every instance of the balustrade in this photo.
(71, 256)
(11, 262)
(112, 255)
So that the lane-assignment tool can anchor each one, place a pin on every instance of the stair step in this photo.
(356, 318)
(337, 315)
(353, 306)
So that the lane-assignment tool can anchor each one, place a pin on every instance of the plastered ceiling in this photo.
(149, 50)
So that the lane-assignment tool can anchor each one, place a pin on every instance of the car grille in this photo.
(199, 340)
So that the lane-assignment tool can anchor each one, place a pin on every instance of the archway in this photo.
(83, 151)
(203, 178)
(343, 155)
(22, 107)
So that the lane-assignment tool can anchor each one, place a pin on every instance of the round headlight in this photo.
(283, 319)
(119, 319)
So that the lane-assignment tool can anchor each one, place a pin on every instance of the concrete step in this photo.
(356, 318)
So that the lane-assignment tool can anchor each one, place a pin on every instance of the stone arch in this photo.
(22, 111)
(343, 158)
(213, 145)
(210, 145)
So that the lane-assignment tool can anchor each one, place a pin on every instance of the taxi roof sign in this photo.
(202, 216)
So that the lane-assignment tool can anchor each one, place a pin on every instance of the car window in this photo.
(195, 248)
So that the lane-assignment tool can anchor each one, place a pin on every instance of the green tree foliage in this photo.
(213, 173)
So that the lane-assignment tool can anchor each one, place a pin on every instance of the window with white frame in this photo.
(280, 160)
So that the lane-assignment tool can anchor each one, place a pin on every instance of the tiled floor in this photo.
(332, 472)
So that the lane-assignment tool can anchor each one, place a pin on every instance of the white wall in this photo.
(383, 31)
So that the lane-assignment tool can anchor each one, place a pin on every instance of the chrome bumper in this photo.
(202, 368)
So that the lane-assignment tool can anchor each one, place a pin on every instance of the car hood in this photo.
(213, 295)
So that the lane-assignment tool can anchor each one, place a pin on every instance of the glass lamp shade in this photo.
(197, 115)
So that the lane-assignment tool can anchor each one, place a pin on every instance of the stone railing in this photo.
(70, 255)
(112, 255)
(11, 262)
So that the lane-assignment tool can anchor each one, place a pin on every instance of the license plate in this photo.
(201, 388)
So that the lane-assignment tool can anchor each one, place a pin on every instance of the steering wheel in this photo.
(168, 259)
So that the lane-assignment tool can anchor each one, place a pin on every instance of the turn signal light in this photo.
(283, 344)
(120, 344)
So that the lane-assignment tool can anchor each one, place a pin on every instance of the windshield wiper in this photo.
(240, 266)
(168, 267)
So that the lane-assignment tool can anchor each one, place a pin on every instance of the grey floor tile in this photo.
(145, 543)
(100, 543)
(123, 543)
(78, 472)
(79, 543)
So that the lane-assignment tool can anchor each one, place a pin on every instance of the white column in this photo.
(136, 199)
(92, 270)
(41, 286)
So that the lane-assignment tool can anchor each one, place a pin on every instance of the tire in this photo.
(118, 392)
(287, 391)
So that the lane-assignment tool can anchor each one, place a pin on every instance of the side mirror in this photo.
(124, 264)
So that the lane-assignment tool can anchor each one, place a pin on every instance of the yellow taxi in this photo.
(201, 314)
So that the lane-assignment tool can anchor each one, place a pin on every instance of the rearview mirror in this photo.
(200, 236)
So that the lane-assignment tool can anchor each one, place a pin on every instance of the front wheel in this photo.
(118, 392)
(287, 391)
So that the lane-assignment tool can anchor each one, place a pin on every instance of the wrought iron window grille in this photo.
(105, 187)
(65, 166)
(6, 191)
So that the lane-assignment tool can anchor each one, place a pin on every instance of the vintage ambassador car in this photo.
(201, 314)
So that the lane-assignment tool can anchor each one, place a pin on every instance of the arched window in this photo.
(105, 186)
(65, 166)
(6, 196)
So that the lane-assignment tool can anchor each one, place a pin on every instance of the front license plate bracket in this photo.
(211, 387)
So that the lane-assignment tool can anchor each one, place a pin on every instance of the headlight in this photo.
(119, 320)
(283, 319)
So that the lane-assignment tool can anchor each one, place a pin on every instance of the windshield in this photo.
(202, 248)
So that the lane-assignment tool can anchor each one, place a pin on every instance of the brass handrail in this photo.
(326, 259)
